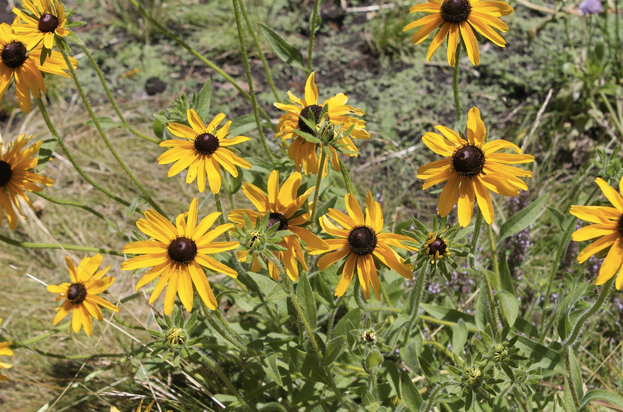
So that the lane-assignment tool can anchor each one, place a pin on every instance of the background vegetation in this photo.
(544, 92)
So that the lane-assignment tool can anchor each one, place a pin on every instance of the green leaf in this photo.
(129, 211)
(203, 101)
(522, 219)
(73, 37)
(459, 337)
(576, 375)
(557, 217)
(305, 296)
(505, 276)
(235, 183)
(411, 395)
(334, 349)
(548, 358)
(431, 373)
(104, 121)
(601, 395)
(158, 128)
(509, 305)
(269, 364)
(322, 210)
(76, 23)
(354, 316)
(409, 355)
(265, 283)
(374, 360)
(45, 153)
(450, 315)
(282, 48)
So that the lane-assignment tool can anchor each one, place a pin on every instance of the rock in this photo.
(154, 85)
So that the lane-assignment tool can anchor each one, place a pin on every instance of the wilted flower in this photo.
(590, 7)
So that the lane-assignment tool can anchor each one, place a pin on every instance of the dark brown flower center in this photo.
(76, 293)
(362, 240)
(14, 54)
(468, 161)
(315, 110)
(620, 220)
(206, 143)
(278, 218)
(438, 245)
(5, 173)
(182, 250)
(48, 23)
(455, 11)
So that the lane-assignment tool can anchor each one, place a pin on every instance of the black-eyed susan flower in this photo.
(41, 20)
(5, 351)
(203, 152)
(81, 294)
(436, 245)
(16, 176)
(360, 240)
(472, 168)
(462, 17)
(284, 209)
(20, 60)
(304, 153)
(608, 227)
(176, 253)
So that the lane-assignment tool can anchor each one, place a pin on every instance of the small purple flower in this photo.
(589, 7)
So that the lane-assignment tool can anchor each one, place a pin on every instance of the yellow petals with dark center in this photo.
(360, 243)
(47, 23)
(206, 143)
(471, 169)
(76, 293)
(175, 254)
(14, 54)
(459, 18)
(608, 228)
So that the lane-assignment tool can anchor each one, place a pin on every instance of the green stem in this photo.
(455, 83)
(416, 300)
(312, 34)
(475, 236)
(433, 395)
(258, 46)
(323, 159)
(100, 75)
(577, 329)
(346, 177)
(213, 66)
(112, 150)
(70, 203)
(247, 68)
(385, 295)
(560, 252)
(214, 366)
(366, 308)
(308, 329)
(231, 338)
(574, 393)
(492, 308)
(72, 160)
(332, 317)
(375, 387)
(31, 245)
(494, 256)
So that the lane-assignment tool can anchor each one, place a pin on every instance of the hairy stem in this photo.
(72, 160)
(111, 148)
(574, 393)
(455, 84)
(323, 159)
(258, 46)
(31, 245)
(475, 236)
(100, 75)
(416, 299)
(577, 329)
(494, 255)
(247, 68)
(312, 34)
(73, 203)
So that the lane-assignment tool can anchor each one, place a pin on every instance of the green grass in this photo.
(371, 61)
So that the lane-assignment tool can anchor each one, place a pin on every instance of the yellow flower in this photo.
(176, 255)
(304, 153)
(203, 152)
(15, 176)
(472, 168)
(460, 16)
(81, 294)
(437, 246)
(41, 20)
(283, 207)
(360, 240)
(5, 351)
(21, 62)
(608, 227)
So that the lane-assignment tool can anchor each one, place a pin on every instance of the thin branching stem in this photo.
(73, 203)
(100, 75)
(32, 245)
(312, 34)
(416, 300)
(99, 128)
(323, 159)
(72, 160)
(455, 83)
(247, 68)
